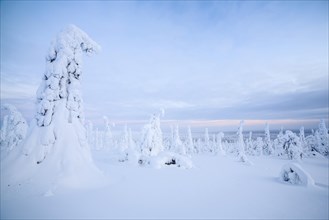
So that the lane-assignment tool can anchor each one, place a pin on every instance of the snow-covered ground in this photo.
(216, 187)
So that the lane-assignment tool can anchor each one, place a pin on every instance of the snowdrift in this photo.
(53, 157)
(294, 174)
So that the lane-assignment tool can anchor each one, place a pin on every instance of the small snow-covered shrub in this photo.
(294, 174)
(13, 129)
(165, 159)
(170, 159)
(244, 159)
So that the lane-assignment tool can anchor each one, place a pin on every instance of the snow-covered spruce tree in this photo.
(219, 148)
(56, 150)
(292, 146)
(268, 145)
(108, 137)
(152, 141)
(258, 147)
(249, 145)
(131, 152)
(311, 144)
(13, 129)
(178, 145)
(278, 143)
(152, 148)
(206, 146)
(322, 139)
(127, 146)
(240, 142)
(124, 140)
(131, 142)
(198, 146)
(171, 139)
(240, 145)
(189, 142)
(302, 140)
(213, 145)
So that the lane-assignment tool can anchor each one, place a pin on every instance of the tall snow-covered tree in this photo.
(219, 148)
(198, 146)
(268, 145)
(178, 144)
(258, 147)
(189, 142)
(278, 143)
(108, 137)
(213, 145)
(132, 154)
(303, 141)
(127, 146)
(206, 146)
(171, 141)
(57, 144)
(60, 85)
(322, 139)
(13, 129)
(131, 142)
(124, 140)
(288, 144)
(152, 141)
(240, 144)
(292, 146)
(249, 145)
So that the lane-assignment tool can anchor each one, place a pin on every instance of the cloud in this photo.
(200, 61)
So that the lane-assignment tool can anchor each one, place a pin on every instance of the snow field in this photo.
(217, 187)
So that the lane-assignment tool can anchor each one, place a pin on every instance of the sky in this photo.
(207, 63)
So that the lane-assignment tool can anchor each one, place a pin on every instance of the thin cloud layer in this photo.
(198, 60)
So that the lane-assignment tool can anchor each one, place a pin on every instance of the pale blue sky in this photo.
(252, 60)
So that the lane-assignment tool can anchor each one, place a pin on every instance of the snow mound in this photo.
(165, 159)
(244, 159)
(294, 174)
